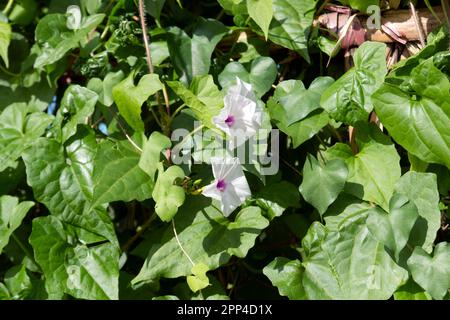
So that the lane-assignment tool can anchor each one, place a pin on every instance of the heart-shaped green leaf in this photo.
(198, 280)
(191, 56)
(302, 102)
(105, 87)
(261, 75)
(287, 276)
(55, 40)
(419, 120)
(62, 178)
(393, 229)
(374, 171)
(432, 273)
(287, 104)
(348, 99)
(151, 152)
(129, 98)
(421, 188)
(117, 174)
(168, 196)
(351, 264)
(291, 24)
(73, 268)
(322, 183)
(261, 11)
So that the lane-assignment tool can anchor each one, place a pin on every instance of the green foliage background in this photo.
(92, 208)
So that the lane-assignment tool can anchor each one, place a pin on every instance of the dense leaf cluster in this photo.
(92, 205)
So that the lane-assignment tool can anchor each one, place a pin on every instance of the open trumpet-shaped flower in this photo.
(241, 116)
(74, 17)
(230, 186)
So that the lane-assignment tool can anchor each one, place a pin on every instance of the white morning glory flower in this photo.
(73, 17)
(230, 186)
(241, 116)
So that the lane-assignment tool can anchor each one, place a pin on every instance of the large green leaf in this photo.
(206, 235)
(5, 39)
(261, 11)
(20, 126)
(202, 97)
(207, 92)
(11, 215)
(393, 229)
(432, 273)
(287, 276)
(191, 56)
(117, 175)
(322, 184)
(376, 168)
(374, 171)
(156, 143)
(129, 98)
(301, 101)
(291, 101)
(348, 99)
(351, 264)
(70, 266)
(291, 24)
(261, 75)
(18, 282)
(419, 120)
(167, 195)
(77, 105)
(62, 179)
(49, 242)
(104, 87)
(421, 188)
(56, 40)
(93, 272)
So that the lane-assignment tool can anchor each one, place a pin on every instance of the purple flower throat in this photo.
(221, 185)
(229, 121)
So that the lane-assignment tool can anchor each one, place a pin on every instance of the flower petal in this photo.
(230, 201)
(244, 89)
(223, 165)
(211, 191)
(237, 190)
(240, 103)
(240, 186)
